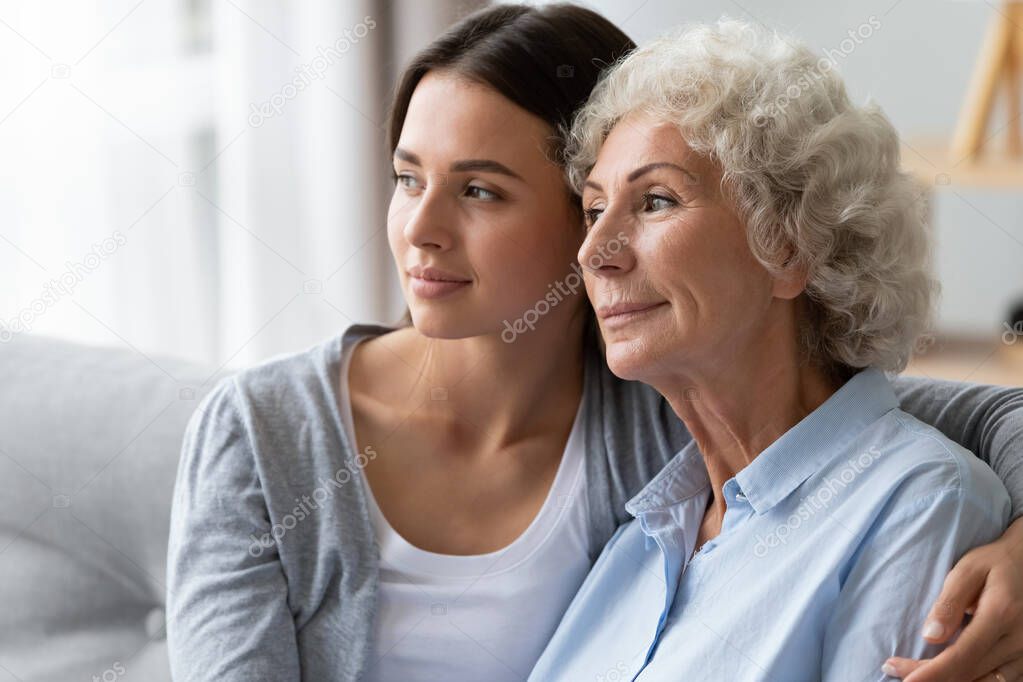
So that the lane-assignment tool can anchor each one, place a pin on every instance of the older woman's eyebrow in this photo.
(643, 170)
(484, 165)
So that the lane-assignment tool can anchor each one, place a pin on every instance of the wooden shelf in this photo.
(984, 361)
(973, 156)
(930, 161)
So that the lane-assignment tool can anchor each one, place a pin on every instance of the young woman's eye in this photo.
(407, 181)
(657, 202)
(477, 192)
(591, 215)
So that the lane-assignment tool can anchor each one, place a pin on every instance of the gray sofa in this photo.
(89, 446)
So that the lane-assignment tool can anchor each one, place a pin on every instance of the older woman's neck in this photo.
(736, 411)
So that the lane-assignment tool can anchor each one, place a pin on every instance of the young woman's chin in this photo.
(449, 322)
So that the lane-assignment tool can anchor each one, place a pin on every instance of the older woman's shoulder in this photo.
(901, 482)
(918, 464)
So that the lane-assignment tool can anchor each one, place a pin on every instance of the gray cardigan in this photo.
(272, 566)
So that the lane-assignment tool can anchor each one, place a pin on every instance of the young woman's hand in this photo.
(987, 585)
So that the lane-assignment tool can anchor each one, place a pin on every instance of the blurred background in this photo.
(207, 178)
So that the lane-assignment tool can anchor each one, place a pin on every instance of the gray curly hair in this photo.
(815, 179)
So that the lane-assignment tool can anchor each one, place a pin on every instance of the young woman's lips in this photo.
(429, 283)
(617, 316)
(430, 288)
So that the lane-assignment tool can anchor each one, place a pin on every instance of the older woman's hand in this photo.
(987, 583)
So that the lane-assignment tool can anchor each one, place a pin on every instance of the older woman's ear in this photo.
(790, 280)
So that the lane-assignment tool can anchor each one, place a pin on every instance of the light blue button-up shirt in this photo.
(836, 541)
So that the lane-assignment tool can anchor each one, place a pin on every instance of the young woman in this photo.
(422, 503)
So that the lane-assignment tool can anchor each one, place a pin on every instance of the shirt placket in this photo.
(671, 545)
(738, 511)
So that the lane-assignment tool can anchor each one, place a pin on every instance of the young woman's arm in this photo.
(988, 420)
(886, 591)
(227, 599)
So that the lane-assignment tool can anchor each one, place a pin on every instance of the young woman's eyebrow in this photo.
(484, 165)
(407, 156)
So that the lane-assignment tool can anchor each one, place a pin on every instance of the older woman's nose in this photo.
(428, 226)
(606, 251)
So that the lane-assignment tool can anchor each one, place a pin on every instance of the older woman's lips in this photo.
(625, 313)
(434, 283)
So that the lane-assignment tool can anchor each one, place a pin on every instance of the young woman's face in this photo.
(481, 224)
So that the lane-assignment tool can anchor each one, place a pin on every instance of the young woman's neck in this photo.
(512, 389)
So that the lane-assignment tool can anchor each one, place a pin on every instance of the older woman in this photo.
(773, 269)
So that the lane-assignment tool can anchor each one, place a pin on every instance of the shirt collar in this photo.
(684, 477)
(801, 451)
(808, 446)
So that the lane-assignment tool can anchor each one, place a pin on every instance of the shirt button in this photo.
(740, 496)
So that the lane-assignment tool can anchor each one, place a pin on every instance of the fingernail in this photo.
(889, 670)
(933, 629)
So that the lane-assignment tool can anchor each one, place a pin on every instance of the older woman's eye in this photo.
(590, 215)
(657, 202)
(481, 193)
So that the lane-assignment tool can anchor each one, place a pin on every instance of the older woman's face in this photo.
(681, 289)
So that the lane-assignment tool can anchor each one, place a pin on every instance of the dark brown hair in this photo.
(544, 59)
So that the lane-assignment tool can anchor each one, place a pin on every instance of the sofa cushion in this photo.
(89, 448)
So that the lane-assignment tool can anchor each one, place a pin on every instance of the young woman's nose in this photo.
(429, 224)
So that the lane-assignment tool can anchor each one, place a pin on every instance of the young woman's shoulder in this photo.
(277, 415)
(383, 365)
(297, 384)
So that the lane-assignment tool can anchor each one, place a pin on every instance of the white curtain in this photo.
(206, 179)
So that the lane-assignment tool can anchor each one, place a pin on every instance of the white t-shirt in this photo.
(485, 616)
